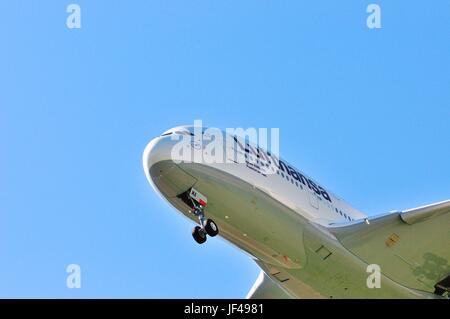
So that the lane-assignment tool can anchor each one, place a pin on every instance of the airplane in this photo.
(308, 242)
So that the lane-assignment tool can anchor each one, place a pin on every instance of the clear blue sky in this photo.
(365, 112)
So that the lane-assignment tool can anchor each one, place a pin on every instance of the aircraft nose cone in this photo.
(151, 156)
(161, 171)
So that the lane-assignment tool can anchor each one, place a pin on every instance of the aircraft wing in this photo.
(265, 288)
(412, 247)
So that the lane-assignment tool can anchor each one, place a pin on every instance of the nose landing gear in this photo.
(207, 226)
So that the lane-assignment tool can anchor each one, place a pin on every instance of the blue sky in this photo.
(365, 112)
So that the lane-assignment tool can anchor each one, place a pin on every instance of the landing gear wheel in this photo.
(211, 227)
(199, 234)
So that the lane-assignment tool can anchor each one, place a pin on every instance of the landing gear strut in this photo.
(207, 226)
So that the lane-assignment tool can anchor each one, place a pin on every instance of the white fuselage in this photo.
(295, 190)
(269, 209)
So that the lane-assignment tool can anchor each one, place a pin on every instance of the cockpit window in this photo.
(182, 130)
(184, 133)
(178, 132)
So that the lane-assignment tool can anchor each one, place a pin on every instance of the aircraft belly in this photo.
(249, 218)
